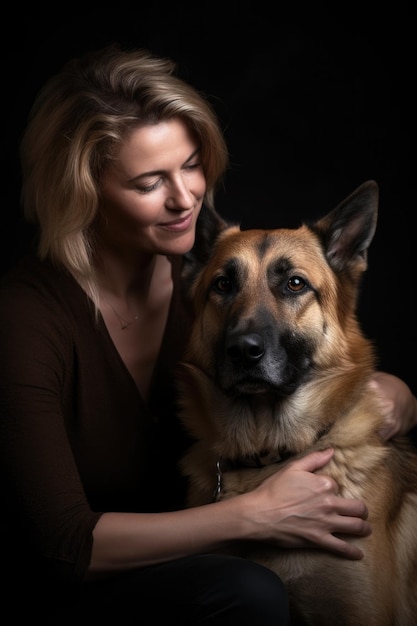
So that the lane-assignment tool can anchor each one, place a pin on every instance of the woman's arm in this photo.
(398, 404)
(294, 508)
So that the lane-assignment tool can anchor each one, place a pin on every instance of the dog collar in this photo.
(223, 465)
(255, 460)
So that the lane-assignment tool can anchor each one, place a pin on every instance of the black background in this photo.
(313, 100)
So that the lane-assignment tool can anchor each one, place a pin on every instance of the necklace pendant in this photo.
(123, 322)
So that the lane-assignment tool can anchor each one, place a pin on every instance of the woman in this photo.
(118, 159)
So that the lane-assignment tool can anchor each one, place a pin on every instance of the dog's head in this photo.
(274, 307)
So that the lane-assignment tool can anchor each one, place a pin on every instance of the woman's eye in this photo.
(149, 188)
(296, 284)
(192, 166)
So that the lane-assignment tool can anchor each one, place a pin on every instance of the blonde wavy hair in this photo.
(77, 123)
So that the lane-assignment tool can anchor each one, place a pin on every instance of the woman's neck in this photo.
(121, 276)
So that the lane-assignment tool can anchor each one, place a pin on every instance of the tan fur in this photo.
(331, 405)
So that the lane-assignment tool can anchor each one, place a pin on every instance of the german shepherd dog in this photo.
(277, 366)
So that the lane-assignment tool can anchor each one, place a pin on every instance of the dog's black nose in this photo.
(248, 348)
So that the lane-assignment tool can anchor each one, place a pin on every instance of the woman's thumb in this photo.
(314, 461)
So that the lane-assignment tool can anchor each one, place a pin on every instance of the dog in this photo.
(277, 366)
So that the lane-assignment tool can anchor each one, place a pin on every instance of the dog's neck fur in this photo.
(265, 457)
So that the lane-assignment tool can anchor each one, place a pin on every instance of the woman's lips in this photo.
(178, 225)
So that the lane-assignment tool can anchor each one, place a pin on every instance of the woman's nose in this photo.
(179, 195)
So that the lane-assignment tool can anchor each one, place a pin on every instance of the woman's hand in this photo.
(398, 404)
(300, 509)
(293, 508)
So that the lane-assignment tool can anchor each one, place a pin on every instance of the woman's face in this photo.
(152, 193)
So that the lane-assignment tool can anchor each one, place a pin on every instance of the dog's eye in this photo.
(222, 284)
(296, 284)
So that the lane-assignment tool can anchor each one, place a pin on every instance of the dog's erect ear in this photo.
(347, 231)
(209, 226)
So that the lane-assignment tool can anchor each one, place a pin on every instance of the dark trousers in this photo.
(201, 590)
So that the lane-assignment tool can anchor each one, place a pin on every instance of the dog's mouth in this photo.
(250, 386)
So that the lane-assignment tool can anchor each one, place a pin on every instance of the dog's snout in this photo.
(249, 347)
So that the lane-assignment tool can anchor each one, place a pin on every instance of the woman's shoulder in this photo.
(33, 286)
(29, 269)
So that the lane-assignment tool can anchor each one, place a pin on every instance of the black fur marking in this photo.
(264, 245)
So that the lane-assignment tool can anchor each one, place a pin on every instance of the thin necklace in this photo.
(123, 322)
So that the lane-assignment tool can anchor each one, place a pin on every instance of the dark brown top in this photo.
(76, 437)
